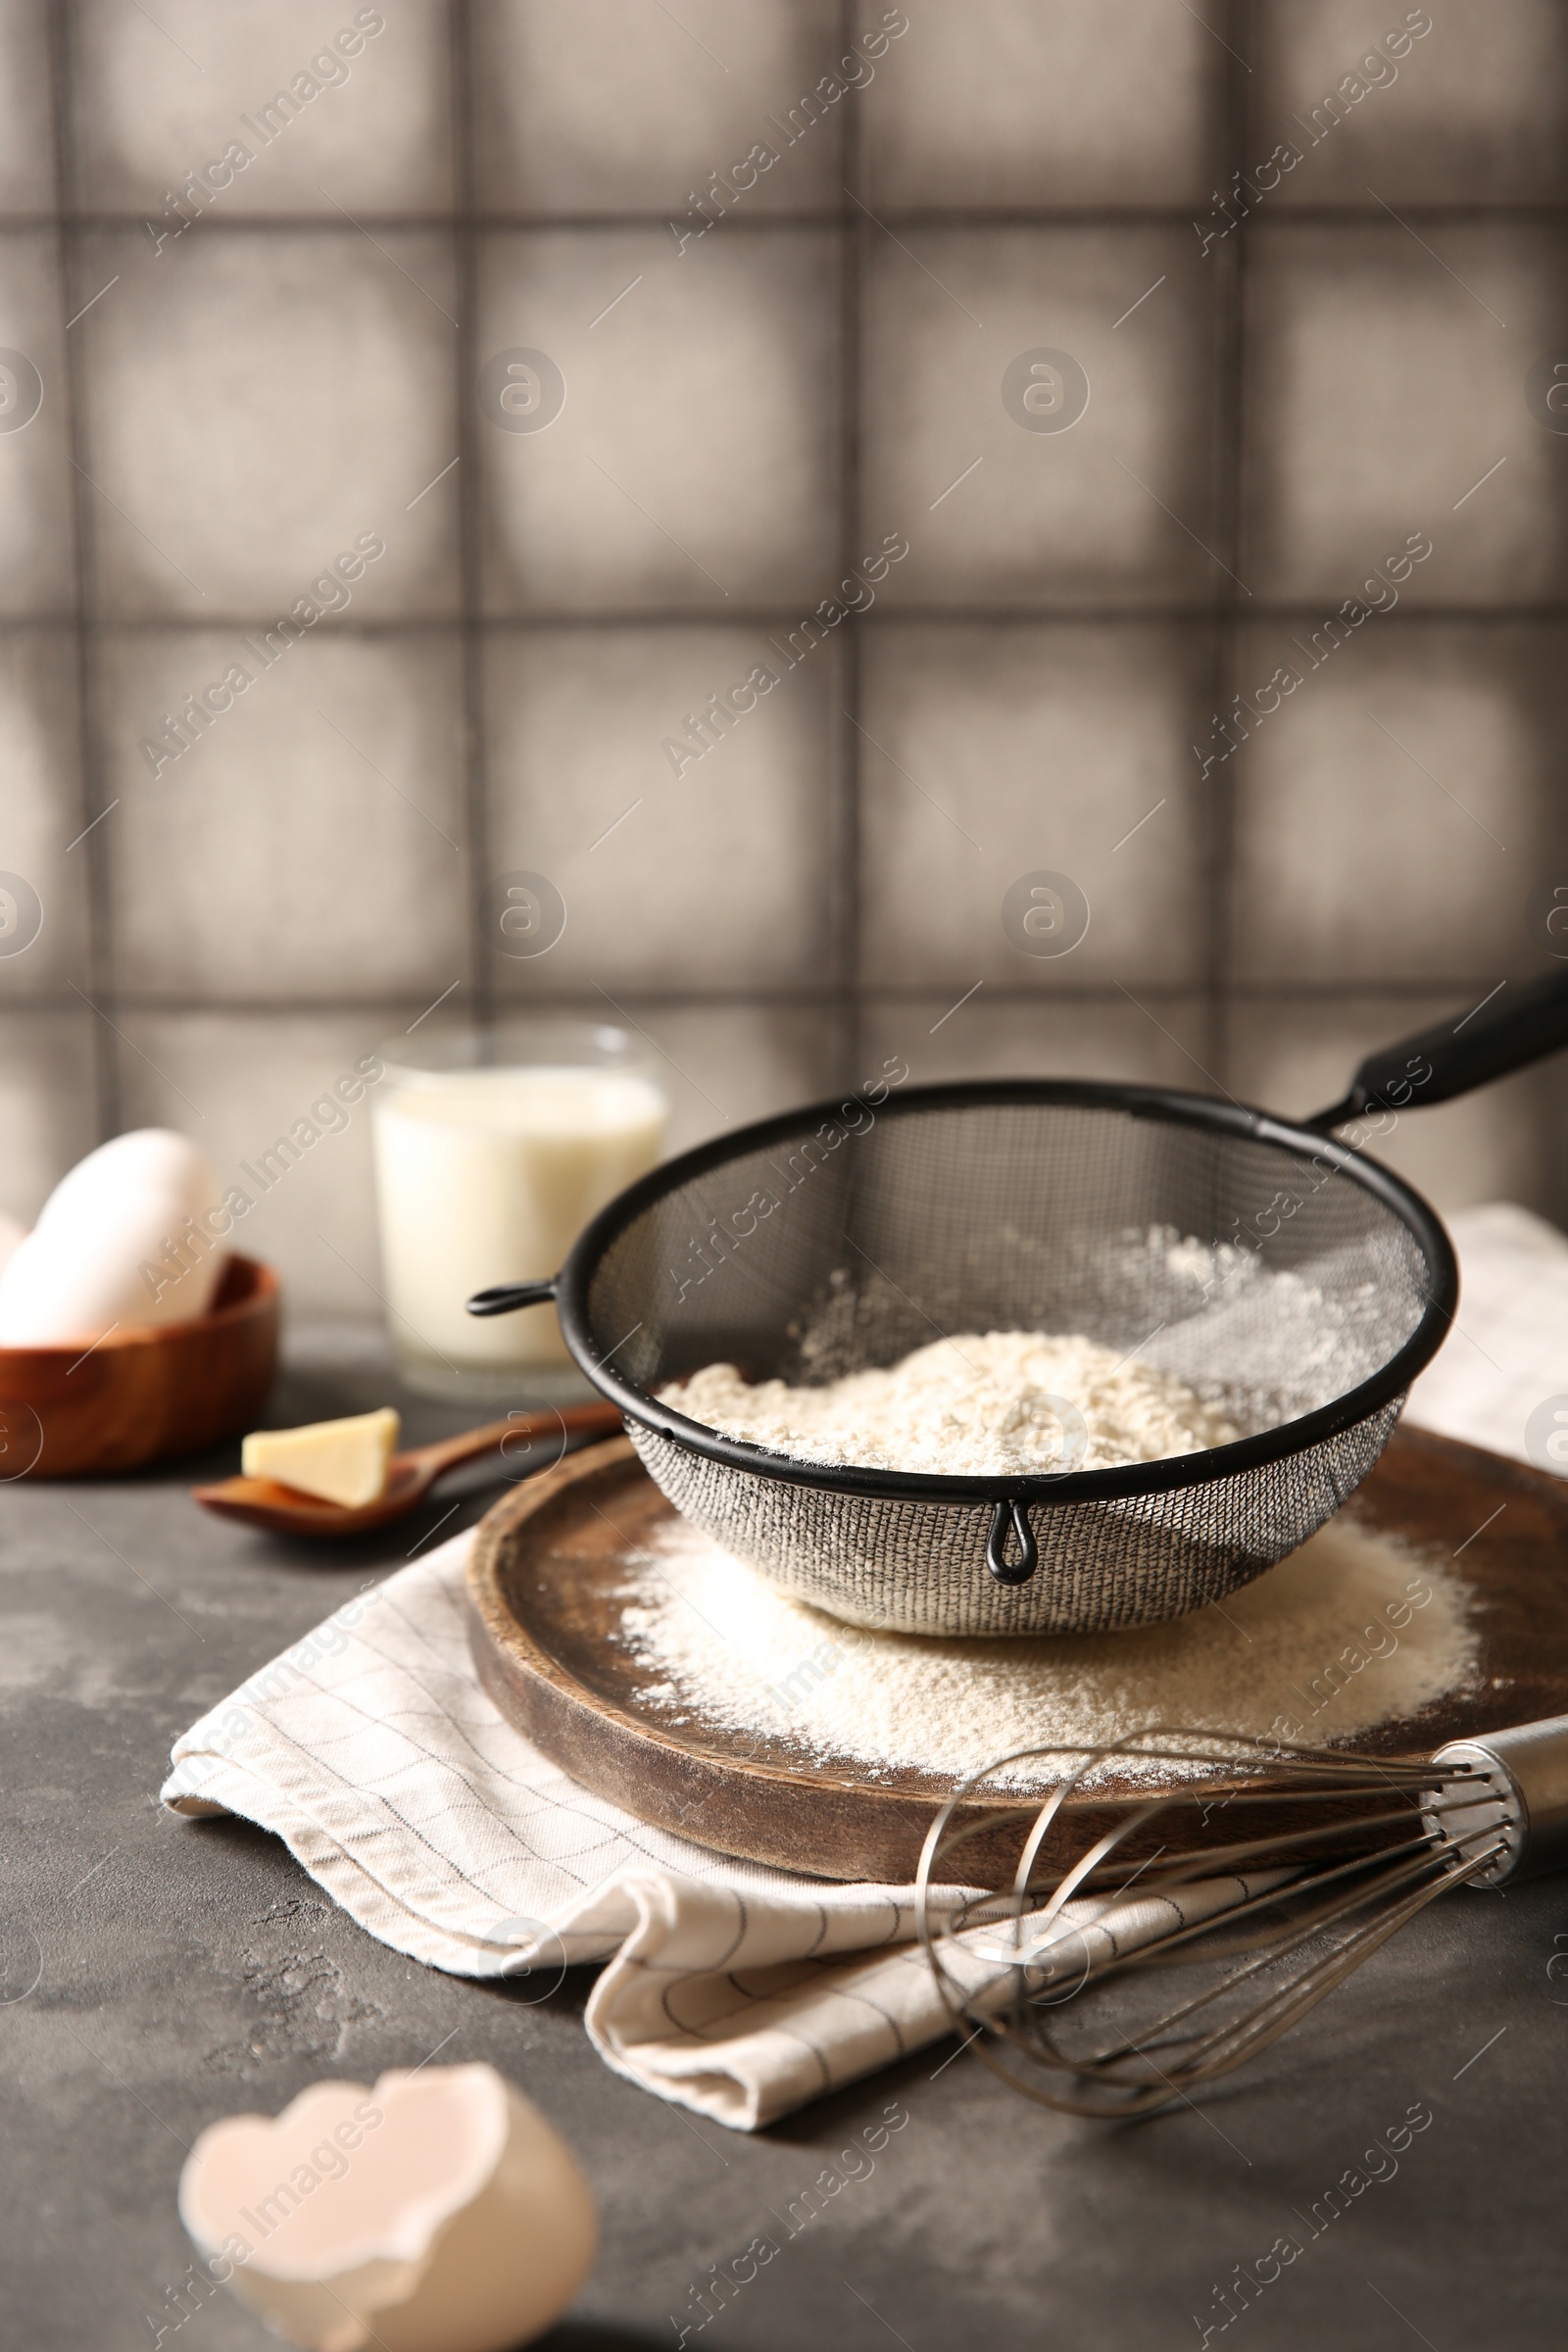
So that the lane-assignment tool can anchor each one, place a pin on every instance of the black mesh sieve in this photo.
(1273, 1270)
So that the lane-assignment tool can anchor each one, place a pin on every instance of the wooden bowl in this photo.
(147, 1390)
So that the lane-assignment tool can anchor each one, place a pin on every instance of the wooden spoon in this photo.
(285, 1511)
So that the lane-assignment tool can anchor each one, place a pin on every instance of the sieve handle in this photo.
(506, 1297)
(1505, 1031)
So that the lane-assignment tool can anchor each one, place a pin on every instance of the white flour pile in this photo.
(969, 1406)
(1351, 1631)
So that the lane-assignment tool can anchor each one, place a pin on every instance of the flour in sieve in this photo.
(974, 1405)
(1352, 1630)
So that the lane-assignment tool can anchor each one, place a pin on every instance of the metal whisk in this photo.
(1306, 1860)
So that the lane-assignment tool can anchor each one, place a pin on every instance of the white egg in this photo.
(11, 1234)
(86, 1269)
(149, 1159)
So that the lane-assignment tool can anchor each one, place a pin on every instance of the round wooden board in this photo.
(547, 1585)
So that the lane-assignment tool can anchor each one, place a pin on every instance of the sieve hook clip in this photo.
(1006, 1571)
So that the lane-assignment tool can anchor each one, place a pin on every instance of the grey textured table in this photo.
(189, 1970)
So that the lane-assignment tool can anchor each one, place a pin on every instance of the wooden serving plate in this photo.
(145, 1393)
(545, 1595)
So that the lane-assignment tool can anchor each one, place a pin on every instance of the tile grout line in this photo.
(89, 749)
(1402, 1000)
(847, 822)
(476, 739)
(1080, 613)
(1458, 213)
(1218, 816)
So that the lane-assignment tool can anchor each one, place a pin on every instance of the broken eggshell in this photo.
(439, 2212)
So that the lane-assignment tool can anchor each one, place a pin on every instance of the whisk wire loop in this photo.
(1294, 1909)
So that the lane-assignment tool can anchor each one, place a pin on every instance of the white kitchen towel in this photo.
(738, 1991)
(1508, 1351)
(734, 1990)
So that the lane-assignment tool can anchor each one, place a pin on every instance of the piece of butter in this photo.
(343, 1462)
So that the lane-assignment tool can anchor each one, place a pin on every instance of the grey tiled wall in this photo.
(1277, 403)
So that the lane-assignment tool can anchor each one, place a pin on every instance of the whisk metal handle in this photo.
(1523, 1799)
(1506, 1030)
(1020, 1570)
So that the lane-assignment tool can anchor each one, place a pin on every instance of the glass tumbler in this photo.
(493, 1149)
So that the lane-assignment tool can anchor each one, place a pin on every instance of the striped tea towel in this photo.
(733, 1990)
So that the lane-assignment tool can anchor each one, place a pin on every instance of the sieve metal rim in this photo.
(1172, 1472)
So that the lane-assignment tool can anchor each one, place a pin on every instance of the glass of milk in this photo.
(493, 1149)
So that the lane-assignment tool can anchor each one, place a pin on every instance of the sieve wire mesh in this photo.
(1268, 1275)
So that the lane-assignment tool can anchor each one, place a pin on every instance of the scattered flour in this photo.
(1352, 1630)
(974, 1405)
